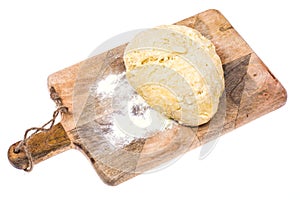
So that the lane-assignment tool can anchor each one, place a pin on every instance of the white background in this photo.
(259, 160)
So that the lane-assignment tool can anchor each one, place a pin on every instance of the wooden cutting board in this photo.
(251, 91)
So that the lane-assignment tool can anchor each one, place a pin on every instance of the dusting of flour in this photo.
(130, 117)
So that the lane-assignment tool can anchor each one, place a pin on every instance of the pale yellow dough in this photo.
(177, 71)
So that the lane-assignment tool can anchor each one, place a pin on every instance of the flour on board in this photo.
(131, 117)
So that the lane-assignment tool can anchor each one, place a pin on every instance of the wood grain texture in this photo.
(250, 92)
(41, 146)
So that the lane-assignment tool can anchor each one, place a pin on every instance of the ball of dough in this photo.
(177, 71)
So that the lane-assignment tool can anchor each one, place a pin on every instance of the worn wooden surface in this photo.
(250, 92)
(41, 146)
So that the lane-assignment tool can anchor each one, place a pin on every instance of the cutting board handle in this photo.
(40, 146)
